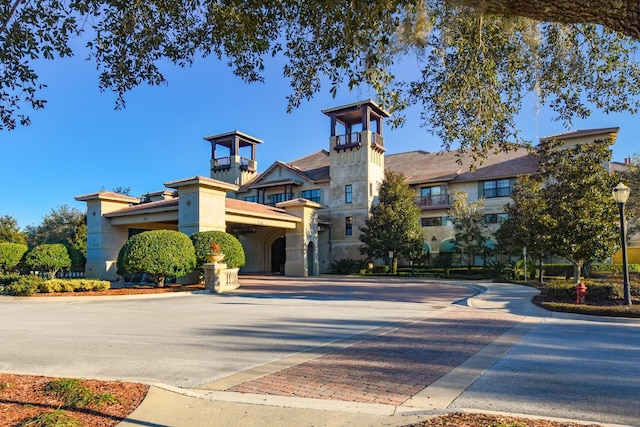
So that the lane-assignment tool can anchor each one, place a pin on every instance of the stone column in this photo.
(298, 239)
(103, 239)
(201, 204)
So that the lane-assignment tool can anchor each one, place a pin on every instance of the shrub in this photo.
(73, 285)
(76, 395)
(347, 266)
(49, 257)
(163, 253)
(24, 286)
(10, 255)
(230, 246)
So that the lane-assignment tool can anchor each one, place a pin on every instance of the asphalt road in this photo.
(565, 366)
(190, 340)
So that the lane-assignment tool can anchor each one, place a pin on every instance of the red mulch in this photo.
(24, 396)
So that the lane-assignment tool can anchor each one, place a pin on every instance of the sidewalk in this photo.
(392, 376)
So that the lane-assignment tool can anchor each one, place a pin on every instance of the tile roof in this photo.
(424, 167)
(578, 133)
(315, 165)
(230, 204)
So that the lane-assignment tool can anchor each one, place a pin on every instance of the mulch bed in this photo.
(23, 397)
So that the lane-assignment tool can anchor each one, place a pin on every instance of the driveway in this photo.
(194, 339)
(330, 338)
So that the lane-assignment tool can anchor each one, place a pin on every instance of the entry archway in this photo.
(311, 261)
(278, 255)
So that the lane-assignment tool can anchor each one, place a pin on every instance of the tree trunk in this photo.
(622, 16)
(160, 281)
(577, 271)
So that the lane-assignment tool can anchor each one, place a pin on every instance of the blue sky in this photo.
(79, 144)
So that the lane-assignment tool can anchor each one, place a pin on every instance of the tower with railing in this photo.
(356, 170)
(233, 157)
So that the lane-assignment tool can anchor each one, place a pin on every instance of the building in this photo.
(296, 218)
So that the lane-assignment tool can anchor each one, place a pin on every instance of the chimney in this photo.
(627, 160)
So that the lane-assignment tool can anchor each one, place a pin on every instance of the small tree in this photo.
(10, 255)
(162, 253)
(394, 223)
(230, 246)
(50, 257)
(10, 232)
(469, 226)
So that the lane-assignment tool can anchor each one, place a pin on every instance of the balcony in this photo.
(350, 140)
(377, 141)
(247, 164)
(221, 163)
(437, 201)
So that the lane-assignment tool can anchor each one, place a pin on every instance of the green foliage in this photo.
(73, 285)
(57, 418)
(10, 232)
(632, 311)
(75, 395)
(49, 257)
(23, 285)
(10, 255)
(162, 253)
(347, 266)
(394, 223)
(64, 225)
(505, 59)
(469, 226)
(516, 270)
(230, 246)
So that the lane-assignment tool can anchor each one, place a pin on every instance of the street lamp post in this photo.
(620, 195)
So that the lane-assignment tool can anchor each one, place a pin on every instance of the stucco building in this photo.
(297, 217)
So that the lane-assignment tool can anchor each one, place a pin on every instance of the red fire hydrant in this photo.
(581, 293)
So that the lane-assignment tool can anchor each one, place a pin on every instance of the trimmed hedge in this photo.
(28, 285)
(564, 291)
(11, 254)
(50, 257)
(73, 285)
(230, 246)
(163, 253)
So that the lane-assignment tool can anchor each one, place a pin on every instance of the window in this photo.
(281, 197)
(254, 199)
(431, 191)
(433, 196)
(348, 226)
(498, 218)
(313, 195)
(432, 222)
(496, 188)
(348, 193)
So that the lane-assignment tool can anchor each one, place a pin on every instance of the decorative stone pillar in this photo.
(218, 278)
(302, 257)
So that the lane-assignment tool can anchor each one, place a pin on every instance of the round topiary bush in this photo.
(162, 253)
(229, 246)
(49, 257)
(10, 255)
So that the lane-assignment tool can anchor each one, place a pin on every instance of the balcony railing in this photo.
(247, 164)
(377, 140)
(222, 163)
(349, 140)
(437, 201)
